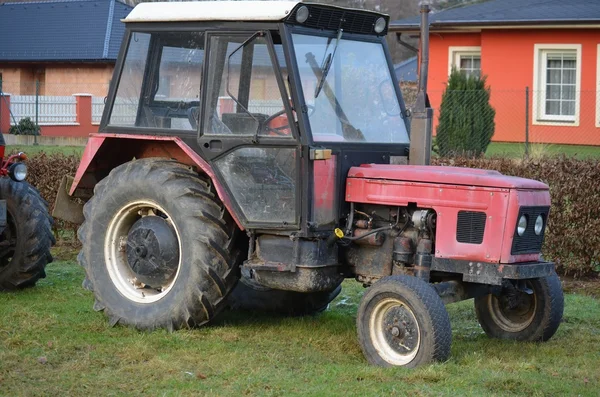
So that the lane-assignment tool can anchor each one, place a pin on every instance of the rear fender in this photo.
(107, 151)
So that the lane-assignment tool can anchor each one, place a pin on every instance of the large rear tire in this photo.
(158, 246)
(26, 240)
(249, 296)
(516, 315)
(401, 321)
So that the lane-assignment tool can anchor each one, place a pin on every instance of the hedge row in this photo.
(573, 232)
(572, 235)
(45, 173)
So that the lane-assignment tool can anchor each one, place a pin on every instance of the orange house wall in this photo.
(507, 58)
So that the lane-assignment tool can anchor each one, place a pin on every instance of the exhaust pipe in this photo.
(422, 116)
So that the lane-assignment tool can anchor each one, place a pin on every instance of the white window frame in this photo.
(540, 52)
(454, 54)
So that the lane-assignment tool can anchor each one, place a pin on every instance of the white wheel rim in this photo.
(115, 257)
(391, 316)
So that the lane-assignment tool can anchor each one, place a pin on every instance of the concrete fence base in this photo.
(26, 140)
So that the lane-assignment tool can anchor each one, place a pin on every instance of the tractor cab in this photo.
(281, 108)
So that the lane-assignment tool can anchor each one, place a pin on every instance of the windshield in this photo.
(348, 90)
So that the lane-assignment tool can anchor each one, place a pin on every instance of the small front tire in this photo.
(401, 321)
(516, 315)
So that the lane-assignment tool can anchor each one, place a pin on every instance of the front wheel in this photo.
(530, 314)
(401, 321)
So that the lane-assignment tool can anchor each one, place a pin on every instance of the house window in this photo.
(465, 59)
(557, 77)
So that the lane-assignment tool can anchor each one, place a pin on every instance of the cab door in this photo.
(247, 128)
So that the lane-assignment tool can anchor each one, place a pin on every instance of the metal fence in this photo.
(51, 103)
(47, 110)
(518, 122)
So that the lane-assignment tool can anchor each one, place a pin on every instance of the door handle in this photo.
(214, 145)
(320, 154)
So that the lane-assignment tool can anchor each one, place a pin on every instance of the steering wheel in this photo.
(283, 130)
(193, 114)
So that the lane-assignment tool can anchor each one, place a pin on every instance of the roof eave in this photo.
(436, 26)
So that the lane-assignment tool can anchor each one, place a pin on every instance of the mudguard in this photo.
(104, 152)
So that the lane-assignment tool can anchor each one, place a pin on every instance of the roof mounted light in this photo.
(302, 14)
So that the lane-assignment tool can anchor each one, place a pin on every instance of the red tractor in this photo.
(245, 157)
(25, 226)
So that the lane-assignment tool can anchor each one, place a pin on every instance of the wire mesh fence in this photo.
(516, 123)
(502, 122)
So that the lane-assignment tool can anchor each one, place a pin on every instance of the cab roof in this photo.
(211, 11)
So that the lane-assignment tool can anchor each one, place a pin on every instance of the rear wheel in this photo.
(523, 316)
(401, 321)
(250, 296)
(158, 246)
(26, 240)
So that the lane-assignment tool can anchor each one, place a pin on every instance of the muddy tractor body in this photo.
(246, 157)
(25, 226)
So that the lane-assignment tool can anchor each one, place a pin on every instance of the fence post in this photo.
(37, 103)
(4, 112)
(527, 122)
(84, 113)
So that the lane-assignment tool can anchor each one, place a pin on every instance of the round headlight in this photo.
(18, 171)
(302, 14)
(522, 225)
(539, 224)
(380, 25)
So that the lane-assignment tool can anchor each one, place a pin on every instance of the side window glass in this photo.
(243, 92)
(129, 91)
(262, 181)
(171, 90)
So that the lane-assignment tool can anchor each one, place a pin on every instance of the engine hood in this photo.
(444, 175)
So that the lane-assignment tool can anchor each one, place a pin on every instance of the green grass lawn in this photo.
(53, 343)
(33, 150)
(518, 150)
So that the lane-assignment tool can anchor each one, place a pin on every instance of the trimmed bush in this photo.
(573, 234)
(45, 173)
(466, 122)
(26, 126)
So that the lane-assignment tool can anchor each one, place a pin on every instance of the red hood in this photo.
(444, 175)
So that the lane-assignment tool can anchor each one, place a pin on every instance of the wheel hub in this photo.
(402, 329)
(152, 251)
(395, 331)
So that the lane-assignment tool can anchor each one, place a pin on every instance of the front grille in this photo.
(352, 21)
(470, 227)
(529, 242)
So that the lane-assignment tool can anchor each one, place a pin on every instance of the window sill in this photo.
(557, 123)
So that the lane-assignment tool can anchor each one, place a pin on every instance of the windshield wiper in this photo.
(327, 64)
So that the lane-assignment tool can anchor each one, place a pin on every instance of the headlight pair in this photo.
(537, 228)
